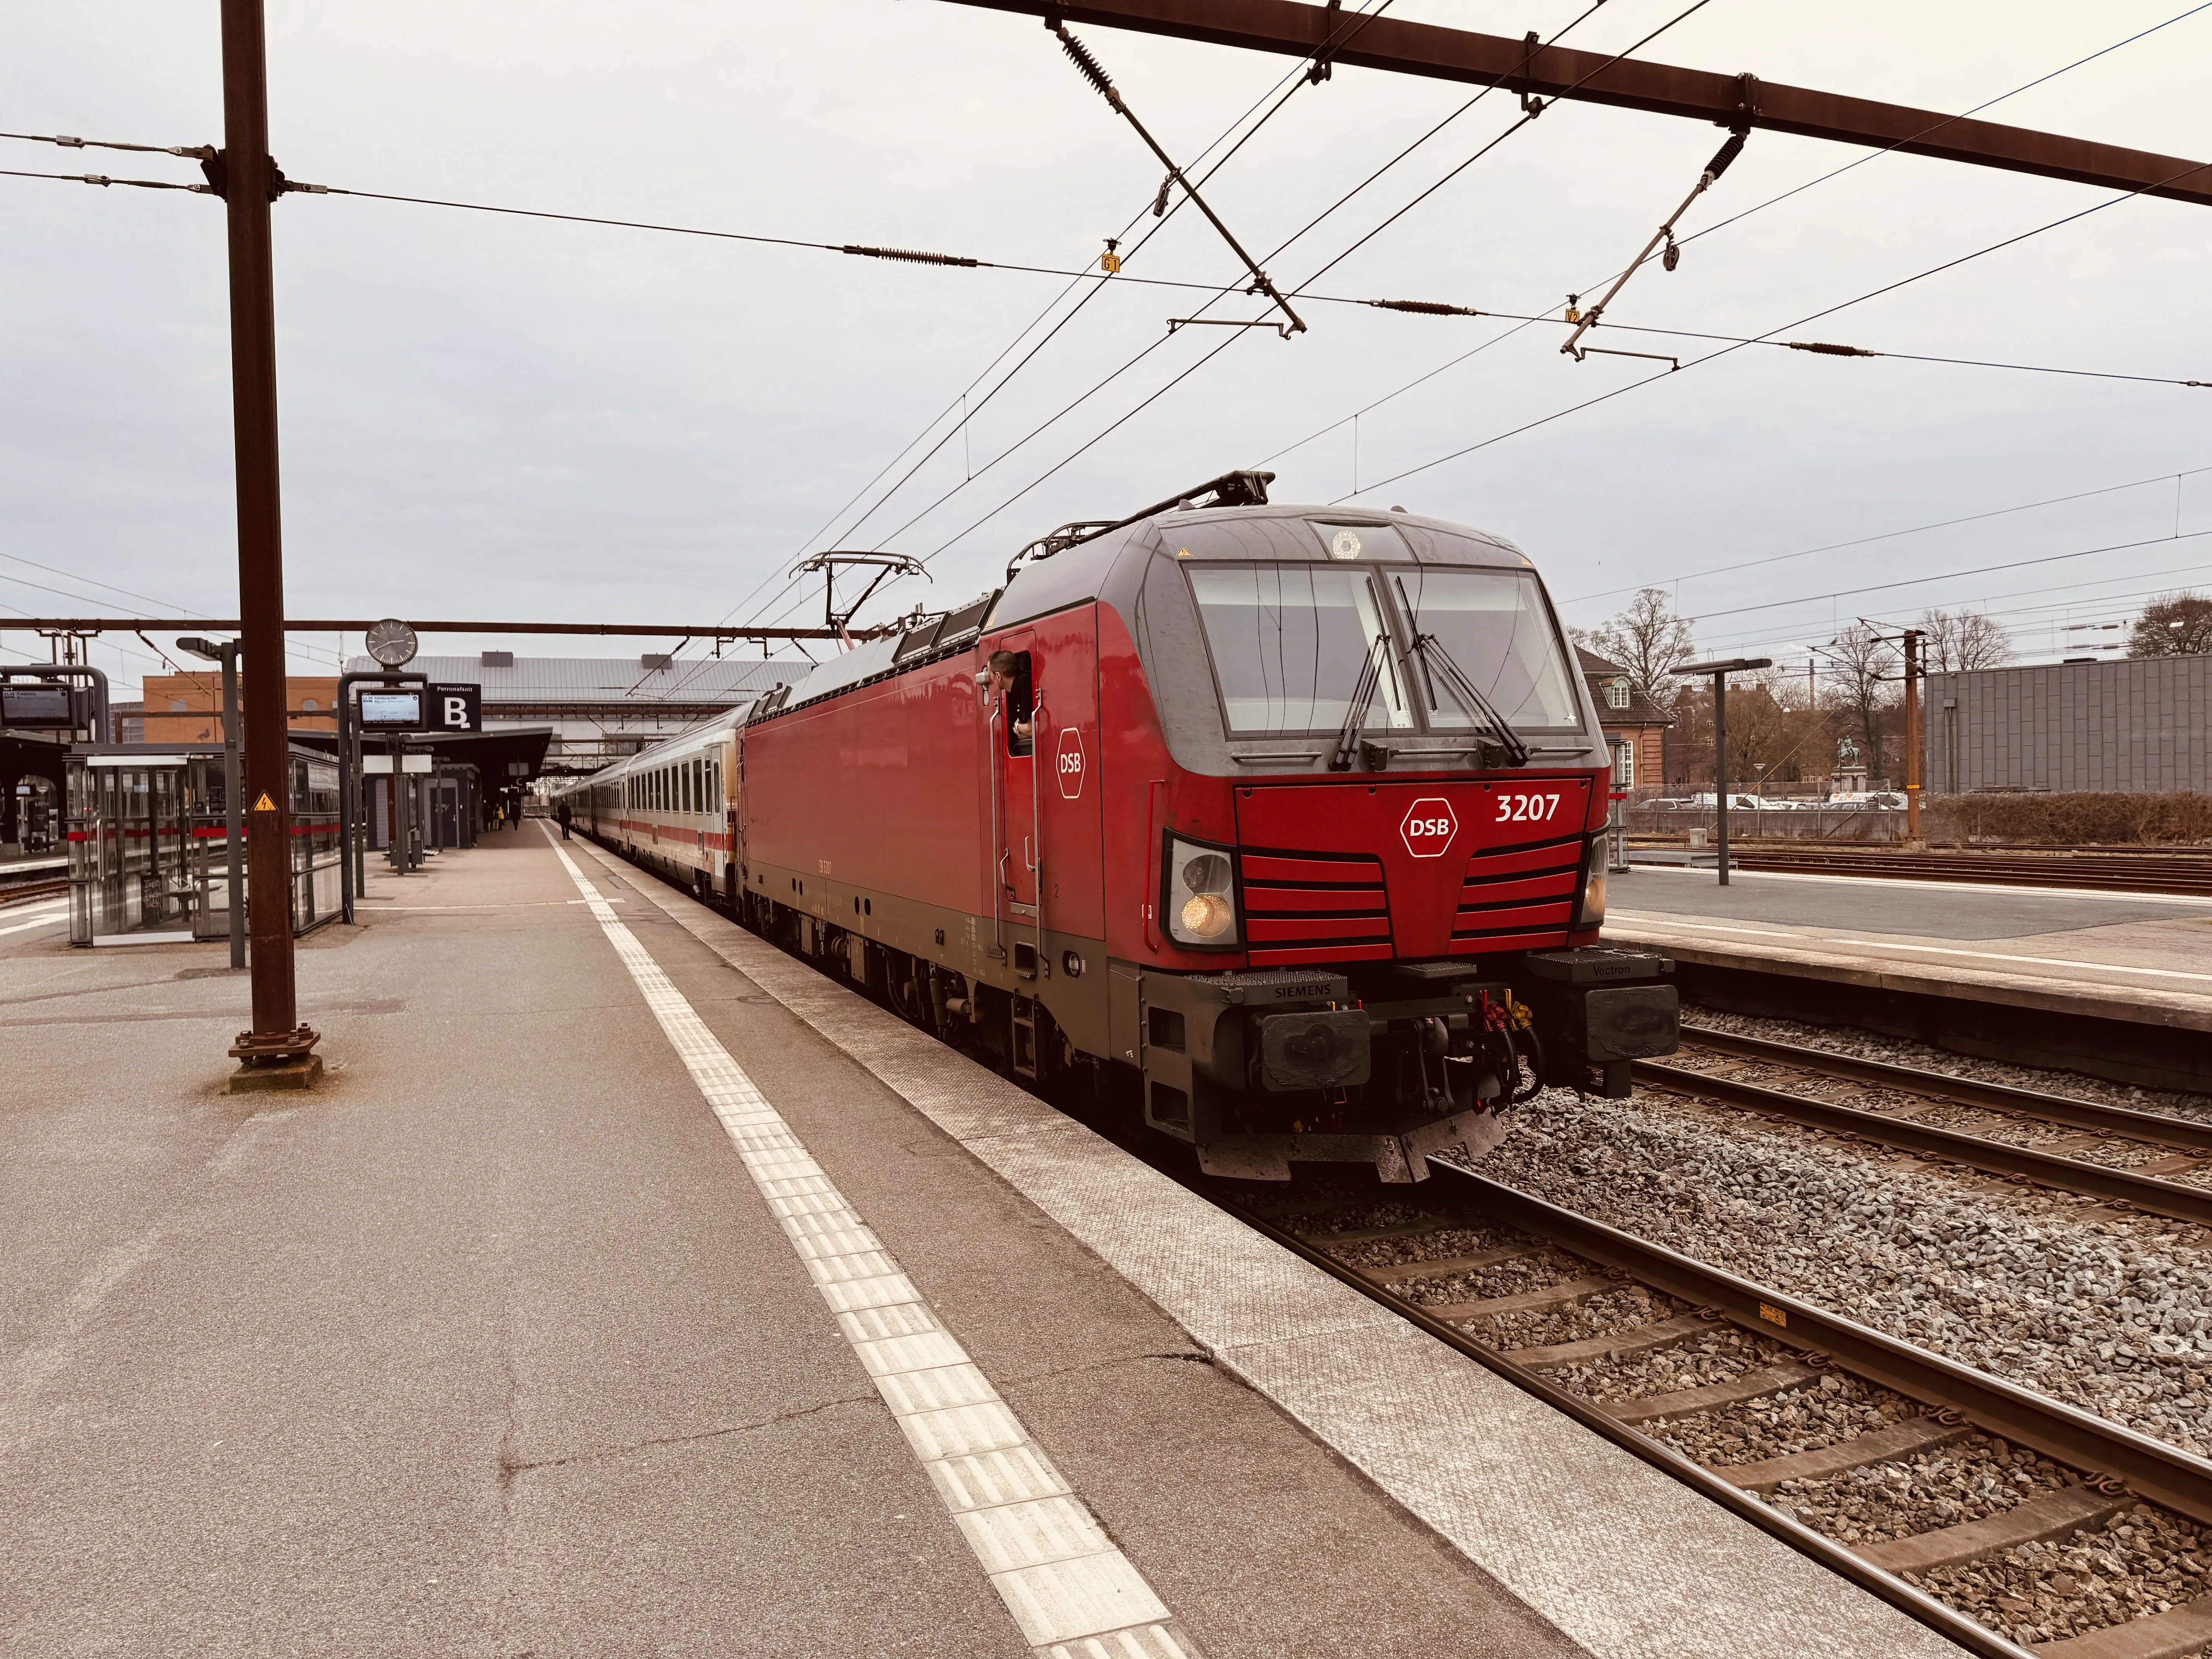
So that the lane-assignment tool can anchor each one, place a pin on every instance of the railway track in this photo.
(2128, 1160)
(16, 892)
(2179, 874)
(2065, 1496)
(2073, 1478)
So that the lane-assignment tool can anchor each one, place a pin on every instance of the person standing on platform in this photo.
(564, 814)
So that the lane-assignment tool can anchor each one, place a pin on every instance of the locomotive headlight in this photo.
(1207, 916)
(1201, 895)
(1591, 912)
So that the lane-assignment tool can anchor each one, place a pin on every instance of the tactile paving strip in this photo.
(1070, 1589)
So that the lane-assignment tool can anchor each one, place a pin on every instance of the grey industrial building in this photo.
(2141, 724)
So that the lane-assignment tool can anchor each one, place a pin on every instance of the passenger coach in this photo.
(1280, 823)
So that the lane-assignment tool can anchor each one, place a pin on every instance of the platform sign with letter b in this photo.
(452, 708)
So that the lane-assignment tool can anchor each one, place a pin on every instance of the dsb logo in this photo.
(1070, 763)
(1429, 828)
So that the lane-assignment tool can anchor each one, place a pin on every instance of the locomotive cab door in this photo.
(1049, 848)
(1013, 768)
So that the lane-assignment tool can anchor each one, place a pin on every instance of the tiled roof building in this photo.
(1627, 714)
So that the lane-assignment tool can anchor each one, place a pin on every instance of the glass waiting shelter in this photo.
(149, 847)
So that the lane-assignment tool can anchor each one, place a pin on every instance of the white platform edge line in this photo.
(1102, 1584)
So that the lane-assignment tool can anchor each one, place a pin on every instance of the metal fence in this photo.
(1794, 823)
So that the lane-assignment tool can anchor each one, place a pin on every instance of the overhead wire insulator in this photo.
(1725, 154)
(1827, 350)
(909, 254)
(1426, 308)
(1080, 55)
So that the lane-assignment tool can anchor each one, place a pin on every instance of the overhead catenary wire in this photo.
(1949, 575)
(1811, 317)
(1937, 126)
(1889, 535)
(1817, 348)
(969, 413)
(2100, 602)
(1811, 184)
(103, 181)
(1292, 82)
(1302, 287)
(916, 257)
(196, 152)
(1295, 81)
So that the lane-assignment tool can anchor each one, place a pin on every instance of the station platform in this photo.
(628, 1287)
(2131, 967)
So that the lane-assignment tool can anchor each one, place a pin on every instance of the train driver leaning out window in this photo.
(1010, 683)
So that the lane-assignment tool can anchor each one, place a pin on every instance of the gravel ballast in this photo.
(2140, 1562)
(1899, 1051)
(2114, 1315)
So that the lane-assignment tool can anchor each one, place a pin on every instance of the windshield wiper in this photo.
(1348, 742)
(1479, 708)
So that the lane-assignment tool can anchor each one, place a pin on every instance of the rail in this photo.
(2124, 1187)
(2113, 1465)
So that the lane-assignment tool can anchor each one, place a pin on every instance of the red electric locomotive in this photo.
(1280, 823)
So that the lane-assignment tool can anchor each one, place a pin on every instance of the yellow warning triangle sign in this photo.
(264, 805)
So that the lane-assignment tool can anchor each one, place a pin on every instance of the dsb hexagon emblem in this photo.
(1429, 828)
(1070, 763)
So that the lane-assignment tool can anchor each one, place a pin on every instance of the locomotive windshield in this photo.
(1495, 626)
(1289, 642)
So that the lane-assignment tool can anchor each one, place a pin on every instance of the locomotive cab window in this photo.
(1011, 685)
(1495, 627)
(1291, 644)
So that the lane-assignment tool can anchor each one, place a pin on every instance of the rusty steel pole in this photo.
(1912, 737)
(251, 182)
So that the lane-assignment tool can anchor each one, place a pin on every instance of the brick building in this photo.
(1625, 713)
(188, 707)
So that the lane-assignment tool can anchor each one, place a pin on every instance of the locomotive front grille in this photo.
(1315, 907)
(1517, 897)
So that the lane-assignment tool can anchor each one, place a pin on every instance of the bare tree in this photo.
(1648, 640)
(2173, 625)
(1863, 668)
(1955, 640)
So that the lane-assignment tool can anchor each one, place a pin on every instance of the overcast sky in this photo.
(502, 418)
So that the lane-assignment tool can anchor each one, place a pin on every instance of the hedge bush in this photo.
(2087, 817)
